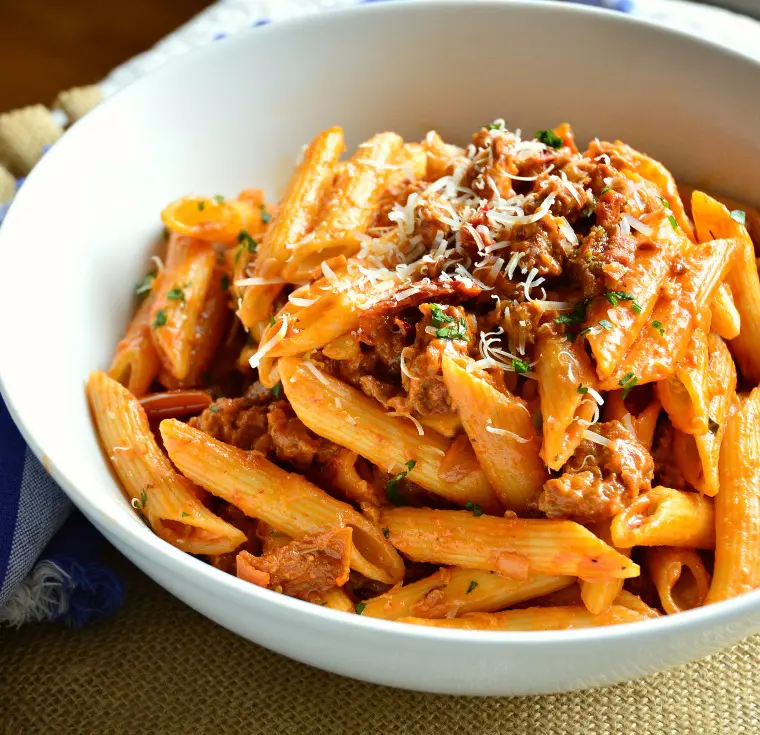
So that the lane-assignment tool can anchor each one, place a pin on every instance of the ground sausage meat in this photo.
(292, 441)
(306, 568)
(599, 481)
(241, 422)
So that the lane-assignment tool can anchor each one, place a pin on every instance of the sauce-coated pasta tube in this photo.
(737, 505)
(599, 596)
(453, 591)
(514, 547)
(666, 517)
(535, 618)
(680, 576)
(726, 320)
(286, 501)
(166, 499)
(340, 413)
(500, 428)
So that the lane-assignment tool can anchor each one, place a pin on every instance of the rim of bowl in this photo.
(143, 542)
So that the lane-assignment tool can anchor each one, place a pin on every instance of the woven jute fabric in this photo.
(159, 667)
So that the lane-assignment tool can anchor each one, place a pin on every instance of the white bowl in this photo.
(235, 115)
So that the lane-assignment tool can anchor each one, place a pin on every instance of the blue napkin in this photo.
(49, 566)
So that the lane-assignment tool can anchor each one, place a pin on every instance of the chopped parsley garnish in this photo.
(740, 216)
(473, 584)
(605, 190)
(386, 532)
(457, 331)
(474, 508)
(582, 389)
(438, 316)
(176, 294)
(201, 205)
(245, 239)
(495, 125)
(271, 321)
(238, 253)
(391, 489)
(576, 316)
(225, 282)
(614, 297)
(139, 505)
(665, 203)
(713, 425)
(519, 366)
(219, 198)
(143, 498)
(145, 286)
(673, 221)
(360, 607)
(550, 138)
(266, 218)
(160, 319)
(658, 326)
(606, 325)
(627, 383)
(213, 408)
(584, 331)
(277, 390)
(185, 515)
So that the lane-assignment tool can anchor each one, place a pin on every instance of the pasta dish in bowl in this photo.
(491, 387)
(438, 410)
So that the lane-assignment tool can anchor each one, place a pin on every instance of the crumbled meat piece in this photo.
(602, 259)
(665, 469)
(492, 167)
(598, 481)
(541, 243)
(246, 524)
(293, 442)
(241, 422)
(388, 327)
(306, 568)
(373, 387)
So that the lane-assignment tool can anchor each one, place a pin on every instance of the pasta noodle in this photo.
(514, 359)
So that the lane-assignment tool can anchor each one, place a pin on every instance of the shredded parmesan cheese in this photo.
(255, 281)
(270, 344)
(504, 432)
(312, 368)
(637, 225)
(592, 436)
(417, 424)
(298, 301)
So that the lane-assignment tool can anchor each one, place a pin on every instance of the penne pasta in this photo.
(666, 517)
(294, 219)
(363, 426)
(680, 577)
(135, 363)
(513, 547)
(599, 596)
(453, 591)
(535, 618)
(564, 371)
(287, 502)
(166, 499)
(712, 221)
(180, 296)
(505, 443)
(635, 603)
(726, 320)
(737, 505)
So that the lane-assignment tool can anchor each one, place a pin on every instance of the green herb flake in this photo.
(176, 294)
(225, 282)
(457, 331)
(185, 515)
(582, 389)
(277, 390)
(605, 190)
(606, 325)
(615, 297)
(665, 203)
(201, 205)
(438, 316)
(360, 607)
(473, 584)
(627, 382)
(145, 286)
(658, 326)
(219, 198)
(519, 366)
(143, 498)
(213, 408)
(576, 316)
(271, 321)
(246, 240)
(740, 216)
(495, 125)
(474, 508)
(266, 218)
(550, 138)
(635, 308)
(160, 319)
(673, 222)
(386, 532)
